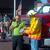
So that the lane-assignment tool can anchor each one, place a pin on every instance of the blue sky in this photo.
(44, 1)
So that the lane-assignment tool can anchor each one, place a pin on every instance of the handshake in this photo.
(26, 31)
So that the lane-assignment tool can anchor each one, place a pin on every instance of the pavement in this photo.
(8, 46)
(5, 45)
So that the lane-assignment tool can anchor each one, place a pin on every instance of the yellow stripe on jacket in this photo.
(34, 30)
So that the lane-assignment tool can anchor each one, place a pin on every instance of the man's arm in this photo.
(21, 25)
(11, 27)
(34, 26)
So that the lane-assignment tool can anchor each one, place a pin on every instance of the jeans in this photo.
(34, 44)
(17, 41)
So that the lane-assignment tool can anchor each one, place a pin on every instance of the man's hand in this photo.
(11, 27)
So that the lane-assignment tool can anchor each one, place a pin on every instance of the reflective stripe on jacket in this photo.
(34, 30)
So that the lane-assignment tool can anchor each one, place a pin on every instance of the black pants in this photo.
(3, 35)
(17, 41)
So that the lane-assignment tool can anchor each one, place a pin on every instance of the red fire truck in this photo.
(44, 15)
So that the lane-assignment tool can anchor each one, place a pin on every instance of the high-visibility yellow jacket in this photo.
(34, 30)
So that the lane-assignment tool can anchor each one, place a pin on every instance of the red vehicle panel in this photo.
(45, 19)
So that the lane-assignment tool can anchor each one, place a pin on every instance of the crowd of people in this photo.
(4, 26)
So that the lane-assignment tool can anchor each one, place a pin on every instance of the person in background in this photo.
(33, 30)
(15, 27)
(6, 19)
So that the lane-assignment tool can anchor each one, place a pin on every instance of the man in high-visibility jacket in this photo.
(16, 36)
(34, 30)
